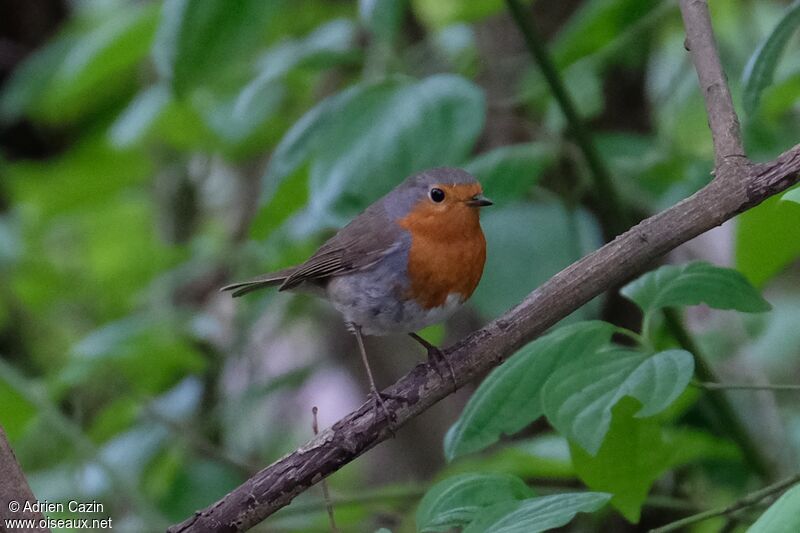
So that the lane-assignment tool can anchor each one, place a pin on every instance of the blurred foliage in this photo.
(159, 149)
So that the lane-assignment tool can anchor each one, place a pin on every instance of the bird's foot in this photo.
(441, 364)
(379, 405)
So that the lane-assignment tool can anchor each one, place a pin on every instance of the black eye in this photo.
(437, 195)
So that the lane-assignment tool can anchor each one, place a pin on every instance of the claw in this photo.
(442, 364)
(378, 404)
(437, 358)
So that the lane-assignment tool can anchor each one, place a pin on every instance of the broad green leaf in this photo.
(91, 172)
(201, 41)
(692, 284)
(537, 514)
(17, 410)
(510, 397)
(302, 140)
(240, 115)
(633, 456)
(440, 13)
(780, 98)
(596, 24)
(761, 67)
(519, 249)
(96, 58)
(506, 173)
(23, 91)
(139, 117)
(457, 43)
(543, 456)
(767, 239)
(782, 516)
(579, 396)
(459, 500)
(792, 196)
(382, 17)
(83, 68)
(357, 148)
(146, 353)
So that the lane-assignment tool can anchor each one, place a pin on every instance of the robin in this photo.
(409, 260)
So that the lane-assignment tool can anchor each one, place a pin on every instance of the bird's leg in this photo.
(377, 397)
(438, 359)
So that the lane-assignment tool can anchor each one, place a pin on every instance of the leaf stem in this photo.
(746, 501)
(745, 386)
(609, 207)
(724, 410)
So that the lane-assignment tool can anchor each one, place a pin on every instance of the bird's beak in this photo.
(479, 200)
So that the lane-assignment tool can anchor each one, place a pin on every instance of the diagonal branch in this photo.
(738, 186)
(616, 262)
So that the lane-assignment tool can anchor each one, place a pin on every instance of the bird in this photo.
(409, 260)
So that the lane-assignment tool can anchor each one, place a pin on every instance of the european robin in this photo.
(409, 260)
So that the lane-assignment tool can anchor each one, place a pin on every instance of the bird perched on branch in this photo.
(409, 260)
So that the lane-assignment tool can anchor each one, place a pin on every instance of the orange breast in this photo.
(448, 250)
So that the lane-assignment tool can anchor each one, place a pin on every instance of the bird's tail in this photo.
(267, 280)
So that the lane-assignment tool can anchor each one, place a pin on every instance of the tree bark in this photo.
(14, 490)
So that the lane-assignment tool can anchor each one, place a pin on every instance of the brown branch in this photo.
(14, 490)
(739, 185)
(721, 115)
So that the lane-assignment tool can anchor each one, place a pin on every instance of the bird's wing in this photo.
(357, 246)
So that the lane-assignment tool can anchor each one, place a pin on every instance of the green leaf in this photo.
(779, 99)
(239, 115)
(792, 195)
(761, 67)
(543, 456)
(139, 117)
(596, 24)
(357, 148)
(510, 397)
(767, 239)
(382, 17)
(692, 284)
(537, 514)
(441, 13)
(83, 68)
(506, 173)
(28, 81)
(17, 411)
(782, 516)
(459, 500)
(518, 250)
(331, 43)
(579, 396)
(146, 353)
(201, 41)
(633, 456)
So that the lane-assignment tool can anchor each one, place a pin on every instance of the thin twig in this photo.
(610, 209)
(326, 496)
(200, 443)
(746, 386)
(751, 499)
(729, 418)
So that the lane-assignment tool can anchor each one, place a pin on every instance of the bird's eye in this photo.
(437, 195)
